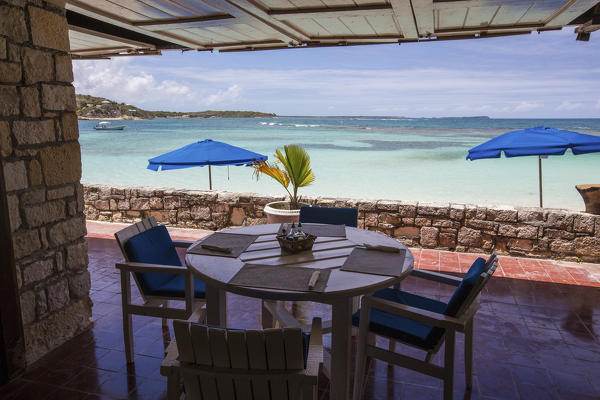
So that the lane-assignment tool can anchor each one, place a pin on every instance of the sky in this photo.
(547, 75)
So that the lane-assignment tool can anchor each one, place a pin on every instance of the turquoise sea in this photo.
(409, 159)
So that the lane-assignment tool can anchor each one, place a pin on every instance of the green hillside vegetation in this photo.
(90, 107)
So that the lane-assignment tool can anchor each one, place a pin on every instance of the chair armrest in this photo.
(416, 314)
(171, 359)
(132, 267)
(153, 268)
(198, 315)
(436, 277)
(315, 349)
(281, 314)
(182, 243)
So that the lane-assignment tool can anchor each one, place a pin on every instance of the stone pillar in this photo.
(41, 161)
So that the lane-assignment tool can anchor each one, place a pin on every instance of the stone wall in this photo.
(41, 162)
(533, 232)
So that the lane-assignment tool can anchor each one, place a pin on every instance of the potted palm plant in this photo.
(291, 168)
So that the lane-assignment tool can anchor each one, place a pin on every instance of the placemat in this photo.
(280, 277)
(375, 262)
(319, 230)
(236, 242)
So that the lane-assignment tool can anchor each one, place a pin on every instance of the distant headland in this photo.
(90, 107)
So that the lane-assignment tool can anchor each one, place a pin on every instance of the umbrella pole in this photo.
(540, 178)
(209, 177)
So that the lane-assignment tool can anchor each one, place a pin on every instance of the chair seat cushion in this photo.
(406, 330)
(466, 286)
(175, 287)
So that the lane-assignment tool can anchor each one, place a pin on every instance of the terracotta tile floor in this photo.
(536, 336)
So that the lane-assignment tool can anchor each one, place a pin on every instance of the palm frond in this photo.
(296, 170)
(272, 170)
(296, 163)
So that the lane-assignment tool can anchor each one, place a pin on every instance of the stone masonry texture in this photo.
(41, 162)
(531, 232)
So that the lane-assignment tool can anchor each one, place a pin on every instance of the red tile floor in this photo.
(536, 336)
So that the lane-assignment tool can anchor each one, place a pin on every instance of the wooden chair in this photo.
(422, 323)
(151, 258)
(273, 311)
(218, 363)
(329, 215)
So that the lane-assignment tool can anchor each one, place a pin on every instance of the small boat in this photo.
(106, 126)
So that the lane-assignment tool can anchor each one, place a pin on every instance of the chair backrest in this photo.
(219, 363)
(125, 234)
(329, 215)
(148, 242)
(472, 284)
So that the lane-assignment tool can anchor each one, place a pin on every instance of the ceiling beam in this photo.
(423, 11)
(454, 4)
(304, 46)
(103, 35)
(495, 28)
(108, 55)
(248, 9)
(481, 35)
(569, 11)
(185, 23)
(592, 25)
(254, 43)
(96, 13)
(403, 13)
(334, 12)
(101, 50)
(361, 38)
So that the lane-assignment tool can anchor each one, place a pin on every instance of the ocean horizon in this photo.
(390, 158)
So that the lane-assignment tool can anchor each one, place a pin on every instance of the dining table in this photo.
(328, 255)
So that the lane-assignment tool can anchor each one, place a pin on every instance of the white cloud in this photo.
(188, 84)
(567, 105)
(121, 81)
(524, 106)
(224, 96)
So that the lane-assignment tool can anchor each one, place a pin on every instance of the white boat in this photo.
(106, 126)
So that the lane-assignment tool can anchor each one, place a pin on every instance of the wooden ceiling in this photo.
(106, 28)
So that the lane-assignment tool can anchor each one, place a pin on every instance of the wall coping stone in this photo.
(513, 230)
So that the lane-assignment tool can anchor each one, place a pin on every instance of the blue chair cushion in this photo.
(329, 215)
(305, 338)
(175, 287)
(464, 289)
(155, 246)
(416, 333)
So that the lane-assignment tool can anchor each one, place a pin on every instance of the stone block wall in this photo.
(532, 232)
(41, 162)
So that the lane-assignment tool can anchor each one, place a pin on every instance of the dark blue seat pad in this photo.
(155, 246)
(420, 334)
(175, 287)
(329, 215)
(406, 330)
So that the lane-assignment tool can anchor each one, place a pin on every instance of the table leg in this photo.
(216, 306)
(340, 348)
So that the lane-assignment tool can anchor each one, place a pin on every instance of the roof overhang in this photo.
(108, 28)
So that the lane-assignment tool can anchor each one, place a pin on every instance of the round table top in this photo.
(327, 253)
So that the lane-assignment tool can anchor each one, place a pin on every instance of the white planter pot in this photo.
(277, 213)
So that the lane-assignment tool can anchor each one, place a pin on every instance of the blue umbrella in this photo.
(538, 141)
(207, 152)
